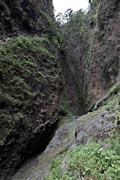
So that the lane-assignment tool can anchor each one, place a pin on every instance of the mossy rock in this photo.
(29, 87)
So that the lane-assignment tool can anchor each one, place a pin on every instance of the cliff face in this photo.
(73, 55)
(30, 82)
(93, 56)
(24, 16)
(104, 53)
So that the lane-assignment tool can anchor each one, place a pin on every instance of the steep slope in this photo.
(30, 82)
(104, 52)
(73, 55)
(91, 53)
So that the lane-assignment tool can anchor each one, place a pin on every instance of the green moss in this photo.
(115, 88)
(113, 96)
(112, 103)
(24, 45)
(15, 69)
(25, 66)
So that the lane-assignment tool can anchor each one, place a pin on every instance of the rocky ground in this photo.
(94, 126)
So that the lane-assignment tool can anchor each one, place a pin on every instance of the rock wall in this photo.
(92, 57)
(30, 82)
(73, 65)
(24, 16)
(104, 53)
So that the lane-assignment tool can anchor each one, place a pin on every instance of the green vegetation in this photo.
(24, 71)
(93, 3)
(112, 98)
(91, 162)
(70, 22)
(96, 160)
(17, 68)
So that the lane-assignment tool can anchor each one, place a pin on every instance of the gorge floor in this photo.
(94, 126)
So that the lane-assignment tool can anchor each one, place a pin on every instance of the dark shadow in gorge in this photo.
(41, 144)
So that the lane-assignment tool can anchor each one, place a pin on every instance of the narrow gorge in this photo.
(59, 91)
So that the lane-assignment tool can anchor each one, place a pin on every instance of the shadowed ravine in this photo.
(68, 69)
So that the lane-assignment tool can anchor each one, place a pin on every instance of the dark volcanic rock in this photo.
(24, 16)
(30, 81)
(29, 99)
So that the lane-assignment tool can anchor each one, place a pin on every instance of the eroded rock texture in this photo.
(30, 82)
(104, 55)
(24, 16)
(73, 58)
(91, 55)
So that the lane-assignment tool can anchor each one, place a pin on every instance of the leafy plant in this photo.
(89, 162)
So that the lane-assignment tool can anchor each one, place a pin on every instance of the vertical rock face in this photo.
(30, 81)
(93, 60)
(104, 55)
(24, 16)
(73, 64)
